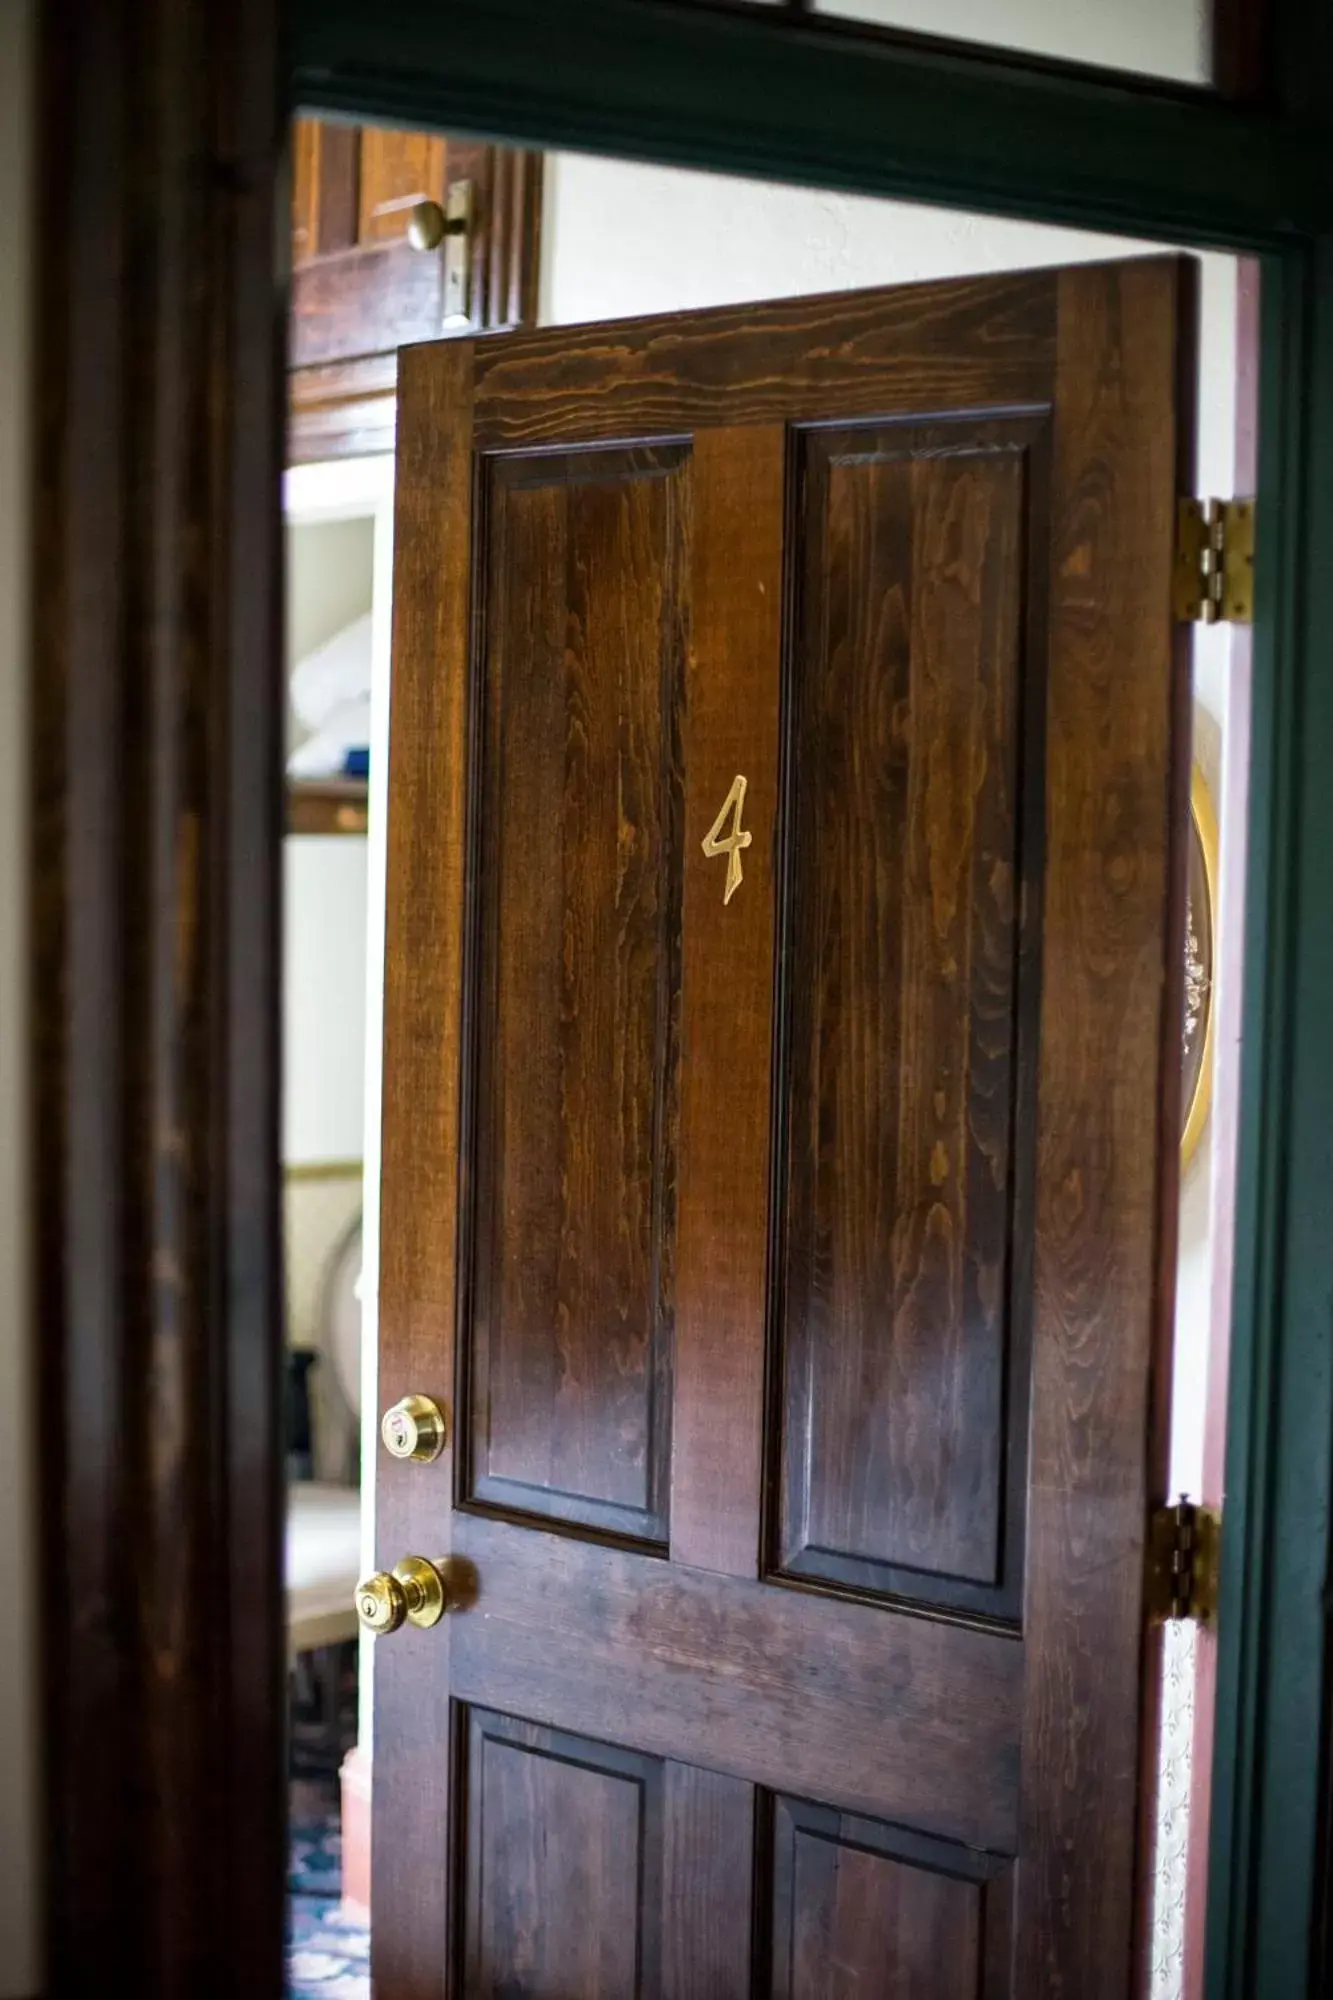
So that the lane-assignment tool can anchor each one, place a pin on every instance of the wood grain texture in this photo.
(583, 567)
(593, 1870)
(1110, 767)
(883, 1713)
(342, 409)
(973, 816)
(983, 342)
(707, 1884)
(325, 162)
(368, 300)
(305, 187)
(731, 726)
(860, 1908)
(902, 958)
(563, 1893)
(397, 170)
(156, 845)
(421, 1142)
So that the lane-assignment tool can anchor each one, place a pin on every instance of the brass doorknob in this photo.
(413, 1592)
(414, 1428)
(428, 225)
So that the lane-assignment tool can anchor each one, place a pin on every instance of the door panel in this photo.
(908, 795)
(597, 1871)
(785, 1239)
(398, 169)
(583, 567)
(564, 1859)
(907, 1717)
(861, 1909)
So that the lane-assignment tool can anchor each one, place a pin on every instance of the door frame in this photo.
(158, 825)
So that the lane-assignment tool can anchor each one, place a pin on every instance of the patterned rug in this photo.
(328, 1953)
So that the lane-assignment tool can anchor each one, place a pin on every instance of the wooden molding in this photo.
(1241, 48)
(157, 781)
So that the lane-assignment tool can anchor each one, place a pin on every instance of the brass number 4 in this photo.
(731, 844)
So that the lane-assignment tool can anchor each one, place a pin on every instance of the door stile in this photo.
(731, 731)
(425, 924)
(1111, 756)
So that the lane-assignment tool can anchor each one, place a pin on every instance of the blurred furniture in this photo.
(323, 1522)
(322, 1243)
(322, 1564)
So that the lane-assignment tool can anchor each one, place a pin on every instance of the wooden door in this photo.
(788, 1259)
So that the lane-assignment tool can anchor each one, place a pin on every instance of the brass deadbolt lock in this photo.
(414, 1428)
(412, 1593)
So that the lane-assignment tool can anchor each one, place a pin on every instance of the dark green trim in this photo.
(1280, 1419)
(790, 99)
(1273, 1663)
(654, 81)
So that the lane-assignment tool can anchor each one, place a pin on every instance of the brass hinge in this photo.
(1184, 1552)
(1214, 569)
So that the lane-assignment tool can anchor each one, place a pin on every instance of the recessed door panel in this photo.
(564, 1864)
(598, 1873)
(576, 856)
(862, 1909)
(901, 1322)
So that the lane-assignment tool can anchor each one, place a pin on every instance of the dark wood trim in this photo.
(756, 91)
(159, 815)
(157, 783)
(1241, 48)
(344, 409)
(1238, 39)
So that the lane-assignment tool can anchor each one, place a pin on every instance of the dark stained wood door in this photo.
(788, 1258)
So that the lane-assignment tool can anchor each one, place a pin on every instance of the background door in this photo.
(788, 1259)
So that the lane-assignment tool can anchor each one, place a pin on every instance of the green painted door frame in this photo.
(753, 92)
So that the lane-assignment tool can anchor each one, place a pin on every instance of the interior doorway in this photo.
(620, 240)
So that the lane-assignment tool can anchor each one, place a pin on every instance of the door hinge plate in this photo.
(1184, 1554)
(1214, 567)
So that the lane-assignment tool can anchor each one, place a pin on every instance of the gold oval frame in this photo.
(1203, 828)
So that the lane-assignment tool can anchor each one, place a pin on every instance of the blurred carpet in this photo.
(328, 1954)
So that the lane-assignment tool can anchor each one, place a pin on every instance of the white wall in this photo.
(1156, 37)
(340, 561)
(330, 575)
(620, 238)
(20, 1970)
(324, 998)
(330, 578)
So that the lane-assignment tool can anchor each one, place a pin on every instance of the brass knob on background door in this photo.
(426, 226)
(412, 1593)
(414, 1428)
